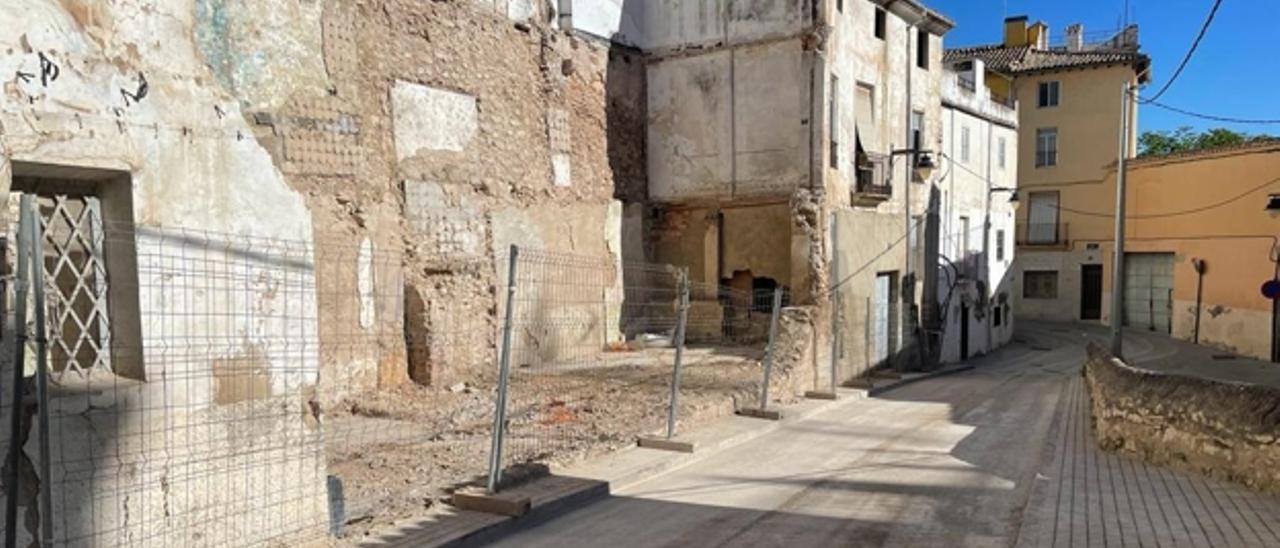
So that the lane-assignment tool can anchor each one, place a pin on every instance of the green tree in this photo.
(1185, 139)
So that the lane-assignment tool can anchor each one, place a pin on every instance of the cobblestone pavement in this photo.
(998, 456)
(1087, 497)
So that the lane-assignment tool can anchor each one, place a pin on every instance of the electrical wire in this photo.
(1161, 215)
(1212, 117)
(1190, 52)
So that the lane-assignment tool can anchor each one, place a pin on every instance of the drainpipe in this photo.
(565, 15)
(985, 269)
(1199, 265)
(908, 296)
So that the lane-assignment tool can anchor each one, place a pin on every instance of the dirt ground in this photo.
(399, 453)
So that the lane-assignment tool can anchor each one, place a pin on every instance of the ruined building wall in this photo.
(132, 95)
(390, 149)
(493, 133)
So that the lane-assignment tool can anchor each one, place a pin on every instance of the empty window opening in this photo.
(922, 49)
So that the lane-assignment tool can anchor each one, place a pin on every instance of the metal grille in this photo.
(76, 278)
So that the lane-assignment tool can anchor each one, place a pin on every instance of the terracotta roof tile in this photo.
(1028, 59)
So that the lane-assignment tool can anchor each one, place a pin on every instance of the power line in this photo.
(1212, 117)
(1162, 215)
(1187, 58)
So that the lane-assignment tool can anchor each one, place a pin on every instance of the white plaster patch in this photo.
(427, 118)
(561, 169)
(364, 283)
(521, 10)
(451, 227)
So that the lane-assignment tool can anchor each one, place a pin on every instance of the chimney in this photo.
(1038, 35)
(1075, 37)
(1015, 31)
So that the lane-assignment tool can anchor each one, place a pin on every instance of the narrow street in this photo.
(997, 456)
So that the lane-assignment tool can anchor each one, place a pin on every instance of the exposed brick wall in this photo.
(557, 124)
(1223, 430)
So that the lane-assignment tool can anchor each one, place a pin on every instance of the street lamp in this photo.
(1013, 198)
(1273, 205)
(924, 162)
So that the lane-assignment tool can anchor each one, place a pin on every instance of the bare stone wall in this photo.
(1223, 430)
(486, 132)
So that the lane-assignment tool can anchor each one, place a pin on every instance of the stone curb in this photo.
(921, 377)
(538, 514)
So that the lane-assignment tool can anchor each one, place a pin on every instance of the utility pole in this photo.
(1117, 263)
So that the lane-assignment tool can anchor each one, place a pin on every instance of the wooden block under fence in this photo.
(817, 395)
(479, 500)
(863, 383)
(665, 444)
(757, 413)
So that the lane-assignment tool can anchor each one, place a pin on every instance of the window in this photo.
(1049, 94)
(917, 129)
(1042, 217)
(1000, 152)
(880, 23)
(922, 49)
(1040, 284)
(1047, 147)
(1000, 245)
(963, 251)
(840, 6)
(996, 316)
(964, 144)
(917, 222)
(835, 121)
(91, 269)
(917, 137)
(865, 109)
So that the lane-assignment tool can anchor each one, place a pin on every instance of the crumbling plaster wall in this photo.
(77, 97)
(729, 124)
(540, 151)
(856, 57)
(276, 120)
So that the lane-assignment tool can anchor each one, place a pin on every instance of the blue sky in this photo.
(1235, 72)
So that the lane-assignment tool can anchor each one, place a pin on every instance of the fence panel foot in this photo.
(757, 413)
(665, 444)
(480, 500)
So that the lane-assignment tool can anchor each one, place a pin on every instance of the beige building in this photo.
(1069, 129)
(1199, 243)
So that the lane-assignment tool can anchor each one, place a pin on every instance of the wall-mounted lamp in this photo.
(1273, 205)
(1014, 202)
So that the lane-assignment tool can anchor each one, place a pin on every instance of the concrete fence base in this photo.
(1227, 431)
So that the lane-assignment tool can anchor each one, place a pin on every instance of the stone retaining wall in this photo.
(1227, 431)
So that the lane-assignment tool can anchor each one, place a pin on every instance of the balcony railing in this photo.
(966, 83)
(1044, 234)
(1002, 99)
(871, 185)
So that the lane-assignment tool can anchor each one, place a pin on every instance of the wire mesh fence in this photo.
(210, 389)
(598, 359)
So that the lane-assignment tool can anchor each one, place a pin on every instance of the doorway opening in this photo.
(1091, 292)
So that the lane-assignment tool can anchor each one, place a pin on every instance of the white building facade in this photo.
(978, 171)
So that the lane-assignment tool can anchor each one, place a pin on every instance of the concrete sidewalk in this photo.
(996, 456)
(1087, 497)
